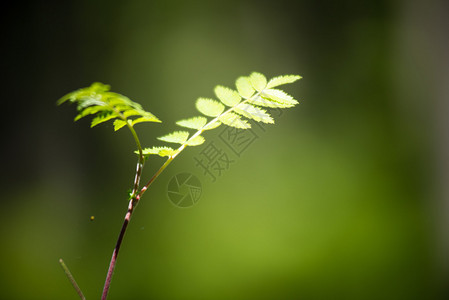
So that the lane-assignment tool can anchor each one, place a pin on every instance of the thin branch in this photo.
(140, 163)
(113, 262)
(71, 279)
(132, 205)
(162, 168)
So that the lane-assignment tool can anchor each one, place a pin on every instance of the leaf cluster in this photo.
(97, 100)
(234, 108)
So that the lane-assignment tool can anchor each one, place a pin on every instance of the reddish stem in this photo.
(107, 284)
(132, 204)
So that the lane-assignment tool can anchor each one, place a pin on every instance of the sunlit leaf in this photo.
(259, 101)
(234, 120)
(244, 87)
(161, 151)
(102, 118)
(209, 107)
(90, 111)
(198, 140)
(280, 80)
(144, 119)
(279, 97)
(119, 124)
(193, 123)
(227, 96)
(105, 105)
(252, 112)
(258, 81)
(131, 112)
(179, 137)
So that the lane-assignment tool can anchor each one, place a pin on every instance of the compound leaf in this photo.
(253, 92)
(98, 100)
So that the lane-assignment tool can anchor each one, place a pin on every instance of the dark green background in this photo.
(342, 199)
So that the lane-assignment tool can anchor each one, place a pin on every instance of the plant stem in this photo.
(71, 279)
(132, 205)
(135, 200)
(140, 163)
(107, 284)
(162, 168)
(136, 196)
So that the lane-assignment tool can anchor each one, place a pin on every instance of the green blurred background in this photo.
(344, 198)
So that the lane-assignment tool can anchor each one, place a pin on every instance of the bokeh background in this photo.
(344, 198)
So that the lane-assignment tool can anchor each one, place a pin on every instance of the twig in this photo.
(113, 262)
(72, 279)
(132, 204)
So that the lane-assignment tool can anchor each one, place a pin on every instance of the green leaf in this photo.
(131, 112)
(227, 96)
(252, 112)
(258, 81)
(198, 140)
(88, 102)
(102, 118)
(98, 87)
(255, 91)
(97, 100)
(74, 96)
(179, 137)
(194, 123)
(209, 107)
(279, 96)
(149, 117)
(144, 119)
(259, 101)
(119, 124)
(161, 151)
(234, 120)
(280, 80)
(244, 87)
(90, 111)
(118, 99)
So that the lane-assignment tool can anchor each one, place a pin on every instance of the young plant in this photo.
(253, 93)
